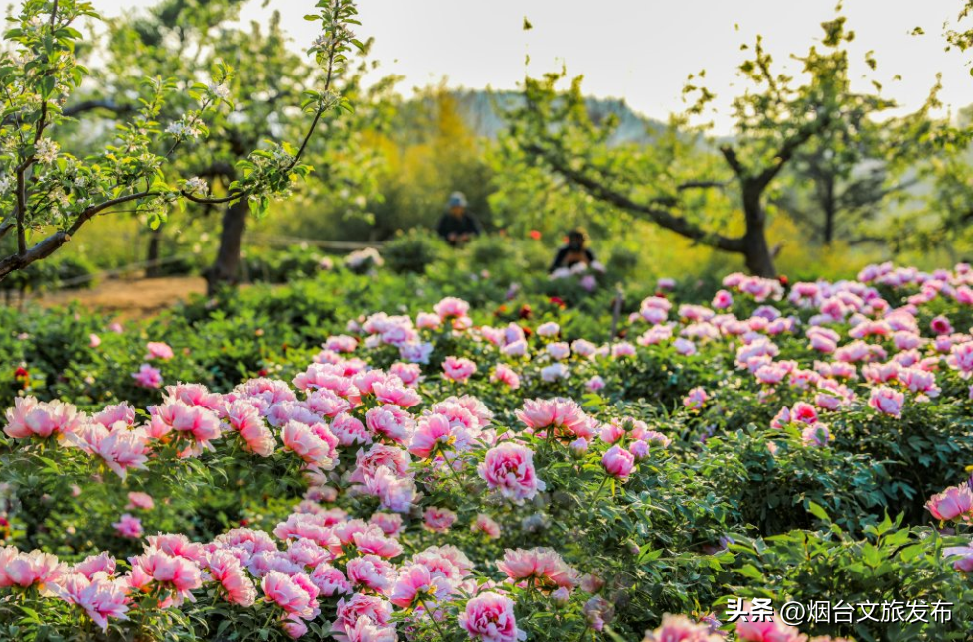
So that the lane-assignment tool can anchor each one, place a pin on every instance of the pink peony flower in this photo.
(390, 523)
(390, 422)
(563, 416)
(964, 563)
(416, 584)
(236, 586)
(28, 569)
(723, 300)
(594, 384)
(158, 350)
(618, 462)
(505, 375)
(101, 563)
(887, 400)
(509, 469)
(156, 567)
(490, 617)
(953, 503)
(245, 419)
(94, 340)
(197, 424)
(289, 594)
(696, 398)
(393, 391)
(679, 628)
(409, 373)
(941, 325)
(451, 307)
(121, 449)
(32, 418)
(128, 526)
(101, 597)
(542, 565)
(358, 608)
(458, 369)
(293, 626)
(486, 525)
(816, 434)
(372, 572)
(394, 493)
(307, 444)
(140, 500)
(147, 377)
(433, 434)
(438, 520)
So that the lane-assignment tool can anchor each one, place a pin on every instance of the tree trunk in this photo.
(759, 258)
(226, 269)
(830, 208)
(756, 252)
(153, 270)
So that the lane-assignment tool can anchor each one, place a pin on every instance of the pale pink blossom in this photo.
(618, 462)
(140, 500)
(158, 350)
(543, 566)
(509, 469)
(438, 519)
(505, 375)
(486, 525)
(129, 526)
(32, 418)
(490, 617)
(458, 369)
(887, 401)
(956, 502)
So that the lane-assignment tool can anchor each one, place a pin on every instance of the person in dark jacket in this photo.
(575, 251)
(457, 226)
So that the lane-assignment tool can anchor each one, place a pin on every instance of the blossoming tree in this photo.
(50, 193)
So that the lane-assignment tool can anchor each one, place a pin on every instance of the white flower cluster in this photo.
(197, 186)
(189, 126)
(220, 90)
(46, 150)
(359, 259)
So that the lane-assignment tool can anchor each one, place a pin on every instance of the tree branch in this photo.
(91, 105)
(682, 187)
(661, 217)
(45, 248)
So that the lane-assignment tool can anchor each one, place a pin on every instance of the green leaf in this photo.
(818, 512)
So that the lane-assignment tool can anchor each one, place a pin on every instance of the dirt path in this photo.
(131, 299)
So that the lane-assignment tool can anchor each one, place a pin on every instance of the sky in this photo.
(639, 50)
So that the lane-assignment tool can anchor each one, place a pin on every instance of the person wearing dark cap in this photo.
(457, 226)
(574, 251)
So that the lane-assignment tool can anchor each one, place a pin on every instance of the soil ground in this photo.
(131, 298)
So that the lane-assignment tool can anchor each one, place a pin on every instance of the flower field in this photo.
(411, 465)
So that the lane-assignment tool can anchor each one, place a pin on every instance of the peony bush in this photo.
(453, 475)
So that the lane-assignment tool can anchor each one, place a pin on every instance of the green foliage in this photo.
(412, 252)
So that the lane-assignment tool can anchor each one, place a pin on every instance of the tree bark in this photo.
(830, 210)
(153, 269)
(226, 269)
(757, 254)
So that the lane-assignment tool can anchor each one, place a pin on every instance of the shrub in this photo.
(412, 252)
